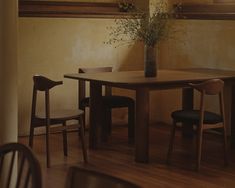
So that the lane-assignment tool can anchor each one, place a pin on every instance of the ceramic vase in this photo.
(150, 61)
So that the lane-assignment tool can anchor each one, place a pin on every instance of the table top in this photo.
(164, 77)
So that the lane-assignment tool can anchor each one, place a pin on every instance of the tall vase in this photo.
(150, 62)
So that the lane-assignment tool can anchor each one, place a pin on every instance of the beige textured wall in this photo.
(201, 43)
(55, 46)
(197, 43)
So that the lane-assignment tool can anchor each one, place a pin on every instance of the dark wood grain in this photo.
(224, 1)
(166, 79)
(116, 158)
(69, 9)
(142, 123)
(96, 114)
(216, 11)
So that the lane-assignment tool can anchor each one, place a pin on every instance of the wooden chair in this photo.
(203, 119)
(110, 101)
(19, 168)
(48, 118)
(84, 178)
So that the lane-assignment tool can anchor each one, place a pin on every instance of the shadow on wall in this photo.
(129, 58)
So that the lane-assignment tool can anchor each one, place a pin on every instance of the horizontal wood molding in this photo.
(206, 11)
(216, 11)
(69, 9)
(224, 1)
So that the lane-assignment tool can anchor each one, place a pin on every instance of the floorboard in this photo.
(116, 158)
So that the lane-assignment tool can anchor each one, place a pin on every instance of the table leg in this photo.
(142, 123)
(232, 116)
(187, 104)
(96, 114)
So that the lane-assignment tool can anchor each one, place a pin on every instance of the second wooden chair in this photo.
(203, 119)
(110, 101)
(48, 118)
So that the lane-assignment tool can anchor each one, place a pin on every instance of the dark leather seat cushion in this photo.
(193, 116)
(111, 101)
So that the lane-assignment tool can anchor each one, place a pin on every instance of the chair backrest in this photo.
(82, 83)
(84, 178)
(210, 87)
(19, 168)
(43, 84)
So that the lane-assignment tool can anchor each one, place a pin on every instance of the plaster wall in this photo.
(55, 46)
(199, 43)
(194, 44)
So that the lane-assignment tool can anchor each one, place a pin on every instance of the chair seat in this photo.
(193, 116)
(61, 115)
(112, 101)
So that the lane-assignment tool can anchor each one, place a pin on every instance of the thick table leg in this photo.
(96, 114)
(187, 104)
(232, 120)
(142, 123)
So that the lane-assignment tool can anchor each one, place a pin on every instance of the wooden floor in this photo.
(116, 158)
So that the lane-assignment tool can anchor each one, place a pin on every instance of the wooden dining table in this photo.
(166, 79)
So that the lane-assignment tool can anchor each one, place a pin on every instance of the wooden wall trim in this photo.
(206, 11)
(69, 9)
(110, 10)
(224, 1)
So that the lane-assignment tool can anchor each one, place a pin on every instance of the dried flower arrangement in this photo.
(141, 26)
(126, 6)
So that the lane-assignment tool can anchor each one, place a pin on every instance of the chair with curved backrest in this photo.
(19, 168)
(48, 118)
(84, 178)
(203, 119)
(110, 101)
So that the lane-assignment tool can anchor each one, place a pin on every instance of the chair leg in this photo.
(48, 146)
(65, 142)
(82, 139)
(170, 149)
(199, 148)
(84, 118)
(31, 134)
(225, 146)
(131, 123)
